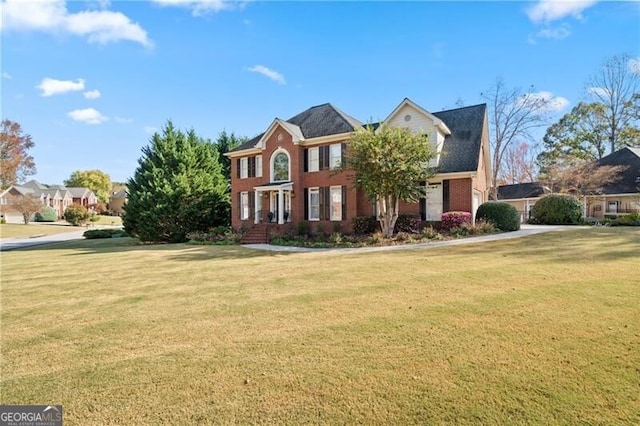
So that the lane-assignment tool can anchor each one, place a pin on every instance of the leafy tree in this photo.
(97, 181)
(177, 188)
(76, 214)
(15, 162)
(616, 86)
(27, 206)
(578, 177)
(514, 114)
(581, 134)
(118, 186)
(225, 143)
(389, 164)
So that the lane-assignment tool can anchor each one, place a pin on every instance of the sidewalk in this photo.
(524, 231)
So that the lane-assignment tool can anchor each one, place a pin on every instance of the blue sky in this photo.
(91, 80)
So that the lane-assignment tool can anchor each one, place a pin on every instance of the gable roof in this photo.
(78, 192)
(320, 120)
(118, 194)
(629, 179)
(34, 184)
(462, 147)
(522, 190)
(437, 121)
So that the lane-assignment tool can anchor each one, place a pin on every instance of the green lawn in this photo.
(541, 330)
(19, 230)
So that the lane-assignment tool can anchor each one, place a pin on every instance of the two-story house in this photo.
(290, 173)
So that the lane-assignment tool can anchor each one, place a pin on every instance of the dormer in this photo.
(292, 129)
(420, 121)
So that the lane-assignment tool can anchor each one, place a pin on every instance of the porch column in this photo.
(604, 206)
(584, 207)
(257, 207)
(280, 206)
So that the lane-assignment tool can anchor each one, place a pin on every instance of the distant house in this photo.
(623, 195)
(288, 174)
(522, 196)
(117, 200)
(57, 197)
(619, 197)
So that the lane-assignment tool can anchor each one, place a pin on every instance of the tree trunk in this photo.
(388, 208)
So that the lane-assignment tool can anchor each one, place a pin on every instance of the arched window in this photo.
(280, 166)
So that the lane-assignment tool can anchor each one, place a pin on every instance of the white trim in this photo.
(272, 160)
(333, 146)
(244, 208)
(259, 165)
(338, 137)
(336, 218)
(243, 152)
(292, 129)
(315, 150)
(244, 167)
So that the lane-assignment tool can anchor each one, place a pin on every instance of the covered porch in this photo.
(273, 203)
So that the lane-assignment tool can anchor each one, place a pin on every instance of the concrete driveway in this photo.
(18, 243)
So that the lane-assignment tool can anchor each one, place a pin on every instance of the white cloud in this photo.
(272, 74)
(51, 86)
(99, 26)
(6, 75)
(634, 65)
(553, 103)
(150, 129)
(92, 94)
(122, 120)
(201, 7)
(553, 10)
(88, 116)
(557, 33)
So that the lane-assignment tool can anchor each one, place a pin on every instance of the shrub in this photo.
(302, 228)
(220, 235)
(452, 220)
(632, 219)
(3, 221)
(104, 233)
(408, 223)
(364, 225)
(502, 215)
(430, 233)
(557, 209)
(47, 214)
(76, 214)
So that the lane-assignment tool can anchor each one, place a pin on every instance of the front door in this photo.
(275, 203)
(434, 202)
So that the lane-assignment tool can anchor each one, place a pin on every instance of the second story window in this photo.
(280, 166)
(244, 168)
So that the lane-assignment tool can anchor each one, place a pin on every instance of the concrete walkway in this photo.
(525, 231)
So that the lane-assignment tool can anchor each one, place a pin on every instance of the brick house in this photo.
(288, 173)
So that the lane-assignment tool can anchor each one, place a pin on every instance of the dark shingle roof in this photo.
(629, 180)
(462, 148)
(522, 190)
(321, 120)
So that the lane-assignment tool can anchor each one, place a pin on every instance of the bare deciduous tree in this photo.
(519, 165)
(616, 86)
(579, 177)
(27, 206)
(513, 115)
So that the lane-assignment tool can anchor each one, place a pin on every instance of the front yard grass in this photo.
(538, 330)
(19, 230)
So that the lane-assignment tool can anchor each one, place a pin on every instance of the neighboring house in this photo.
(117, 200)
(7, 198)
(83, 196)
(619, 197)
(522, 196)
(623, 195)
(289, 173)
(54, 196)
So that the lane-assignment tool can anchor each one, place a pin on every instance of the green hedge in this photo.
(504, 216)
(94, 234)
(48, 214)
(557, 209)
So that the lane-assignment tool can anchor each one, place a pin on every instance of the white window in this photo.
(244, 205)
(335, 156)
(244, 168)
(314, 159)
(280, 166)
(336, 203)
(258, 165)
(314, 204)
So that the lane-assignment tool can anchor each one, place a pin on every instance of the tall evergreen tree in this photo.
(225, 143)
(177, 188)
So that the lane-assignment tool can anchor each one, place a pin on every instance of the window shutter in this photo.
(327, 202)
(306, 204)
(327, 160)
(344, 202)
(423, 208)
(239, 205)
(343, 153)
(238, 168)
(252, 204)
(321, 199)
(321, 163)
(445, 196)
(306, 159)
